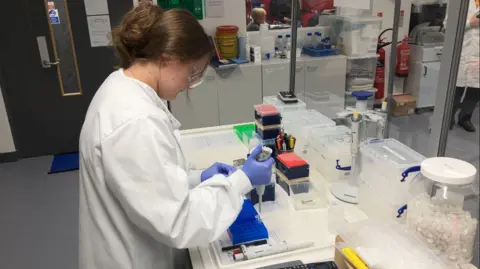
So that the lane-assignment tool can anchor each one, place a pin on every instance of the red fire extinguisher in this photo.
(379, 83)
(403, 58)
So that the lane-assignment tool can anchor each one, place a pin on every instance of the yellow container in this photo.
(227, 40)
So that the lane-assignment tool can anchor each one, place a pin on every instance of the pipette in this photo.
(263, 156)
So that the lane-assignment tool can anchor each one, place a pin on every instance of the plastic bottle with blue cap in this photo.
(362, 99)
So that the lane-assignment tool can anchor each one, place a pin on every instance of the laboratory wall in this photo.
(386, 8)
(6, 139)
(234, 14)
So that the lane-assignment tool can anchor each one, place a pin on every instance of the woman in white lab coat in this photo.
(468, 71)
(138, 201)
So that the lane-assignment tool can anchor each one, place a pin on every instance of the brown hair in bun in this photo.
(148, 33)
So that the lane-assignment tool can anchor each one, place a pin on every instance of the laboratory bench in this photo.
(228, 95)
(303, 225)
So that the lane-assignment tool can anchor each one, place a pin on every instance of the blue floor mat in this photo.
(64, 163)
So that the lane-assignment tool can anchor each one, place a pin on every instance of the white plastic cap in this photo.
(448, 171)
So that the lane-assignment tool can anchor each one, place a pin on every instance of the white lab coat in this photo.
(469, 68)
(136, 201)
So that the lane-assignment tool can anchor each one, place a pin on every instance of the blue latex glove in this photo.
(259, 173)
(215, 169)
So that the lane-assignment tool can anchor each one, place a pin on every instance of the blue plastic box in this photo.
(248, 226)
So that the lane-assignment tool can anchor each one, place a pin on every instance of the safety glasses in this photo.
(196, 76)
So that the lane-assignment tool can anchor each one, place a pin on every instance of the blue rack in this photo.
(248, 226)
(314, 52)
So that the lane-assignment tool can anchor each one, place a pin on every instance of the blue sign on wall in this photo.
(54, 18)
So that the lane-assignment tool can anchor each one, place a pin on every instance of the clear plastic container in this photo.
(436, 209)
(282, 107)
(359, 34)
(304, 195)
(383, 163)
(376, 205)
(298, 123)
(361, 71)
(325, 147)
(326, 103)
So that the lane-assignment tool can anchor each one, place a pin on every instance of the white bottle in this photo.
(288, 43)
(309, 40)
(280, 44)
(288, 46)
(318, 40)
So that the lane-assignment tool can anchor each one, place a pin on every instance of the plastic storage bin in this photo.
(326, 103)
(383, 163)
(350, 100)
(282, 107)
(327, 148)
(298, 123)
(303, 194)
(361, 71)
(376, 205)
(360, 35)
(436, 209)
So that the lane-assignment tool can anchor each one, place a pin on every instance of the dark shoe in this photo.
(467, 125)
(452, 123)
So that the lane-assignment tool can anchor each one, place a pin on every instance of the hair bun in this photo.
(135, 28)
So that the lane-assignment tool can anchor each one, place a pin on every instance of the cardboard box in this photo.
(403, 105)
(339, 259)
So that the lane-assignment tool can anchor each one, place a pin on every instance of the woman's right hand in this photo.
(259, 173)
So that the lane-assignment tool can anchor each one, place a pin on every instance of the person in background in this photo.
(139, 203)
(281, 11)
(468, 80)
(259, 16)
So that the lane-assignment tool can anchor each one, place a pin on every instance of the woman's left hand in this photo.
(215, 169)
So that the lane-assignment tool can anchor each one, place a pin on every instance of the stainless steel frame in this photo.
(293, 52)
(452, 48)
(393, 60)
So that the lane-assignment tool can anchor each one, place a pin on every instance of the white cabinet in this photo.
(198, 107)
(326, 75)
(422, 80)
(427, 93)
(276, 77)
(239, 89)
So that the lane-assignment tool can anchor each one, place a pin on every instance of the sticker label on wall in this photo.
(51, 5)
(54, 18)
(402, 16)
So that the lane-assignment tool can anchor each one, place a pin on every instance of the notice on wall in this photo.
(136, 2)
(99, 29)
(54, 17)
(51, 5)
(357, 4)
(96, 7)
(214, 8)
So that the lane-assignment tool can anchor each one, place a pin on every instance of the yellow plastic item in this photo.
(353, 258)
(227, 40)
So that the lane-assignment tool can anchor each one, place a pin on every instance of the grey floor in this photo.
(39, 212)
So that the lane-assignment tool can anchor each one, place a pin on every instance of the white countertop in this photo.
(310, 224)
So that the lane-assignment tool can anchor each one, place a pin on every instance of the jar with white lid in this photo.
(436, 209)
